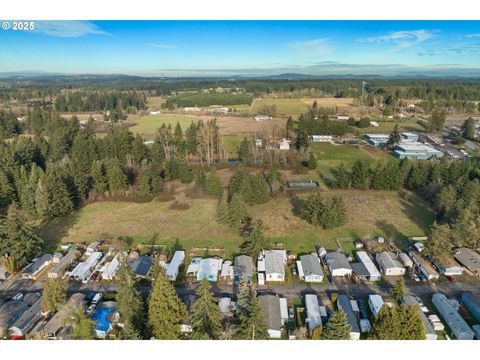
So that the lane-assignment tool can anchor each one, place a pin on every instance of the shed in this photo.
(452, 318)
(406, 260)
(174, 265)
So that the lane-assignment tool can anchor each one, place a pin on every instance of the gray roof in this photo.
(141, 266)
(58, 320)
(409, 300)
(336, 260)
(388, 260)
(472, 303)
(10, 312)
(311, 265)
(33, 268)
(243, 265)
(359, 269)
(29, 317)
(452, 318)
(343, 303)
(468, 258)
(271, 308)
(64, 262)
(274, 263)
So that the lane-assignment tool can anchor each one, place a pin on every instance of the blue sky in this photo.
(179, 48)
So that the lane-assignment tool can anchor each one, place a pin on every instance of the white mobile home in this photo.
(376, 303)
(174, 266)
(373, 272)
(314, 318)
(390, 264)
(309, 268)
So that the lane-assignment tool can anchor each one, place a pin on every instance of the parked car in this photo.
(451, 278)
(291, 314)
(415, 277)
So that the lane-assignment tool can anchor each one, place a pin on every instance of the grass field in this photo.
(391, 214)
(386, 127)
(284, 106)
(331, 155)
(231, 143)
(147, 125)
(155, 102)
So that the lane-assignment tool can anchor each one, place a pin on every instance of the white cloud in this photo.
(68, 29)
(473, 35)
(314, 47)
(403, 39)
(161, 46)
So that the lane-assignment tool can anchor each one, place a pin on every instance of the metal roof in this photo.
(311, 265)
(452, 318)
(271, 308)
(343, 303)
(274, 263)
(468, 258)
(368, 263)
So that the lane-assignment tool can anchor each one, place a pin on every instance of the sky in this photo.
(248, 48)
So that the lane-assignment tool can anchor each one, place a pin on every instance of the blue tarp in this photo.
(100, 316)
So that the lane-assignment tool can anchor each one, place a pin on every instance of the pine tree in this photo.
(312, 161)
(117, 180)
(144, 179)
(398, 290)
(412, 327)
(129, 299)
(255, 240)
(82, 325)
(165, 310)
(252, 324)
(206, 318)
(213, 185)
(244, 154)
(222, 212)
(237, 211)
(244, 296)
(18, 242)
(337, 327)
(387, 325)
(54, 294)
(394, 137)
(129, 332)
(99, 177)
(359, 175)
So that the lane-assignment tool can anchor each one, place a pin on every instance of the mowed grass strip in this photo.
(148, 125)
(284, 106)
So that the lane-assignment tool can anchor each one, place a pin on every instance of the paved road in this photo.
(10, 288)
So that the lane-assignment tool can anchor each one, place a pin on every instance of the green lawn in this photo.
(284, 106)
(231, 143)
(147, 125)
(155, 102)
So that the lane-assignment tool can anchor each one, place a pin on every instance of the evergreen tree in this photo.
(337, 327)
(252, 325)
(244, 154)
(327, 213)
(237, 211)
(165, 310)
(129, 299)
(439, 240)
(255, 240)
(469, 129)
(394, 137)
(18, 243)
(398, 290)
(206, 318)
(359, 175)
(213, 185)
(145, 179)
(387, 325)
(222, 212)
(129, 332)
(117, 180)
(82, 325)
(54, 294)
(244, 296)
(99, 177)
